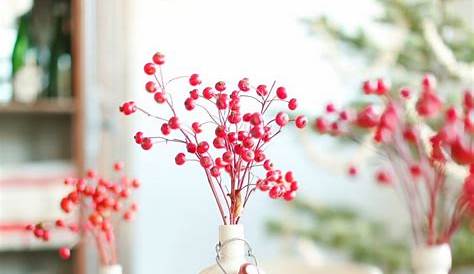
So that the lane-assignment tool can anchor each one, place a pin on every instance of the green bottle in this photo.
(22, 43)
(60, 62)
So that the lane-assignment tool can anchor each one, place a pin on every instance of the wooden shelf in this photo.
(46, 106)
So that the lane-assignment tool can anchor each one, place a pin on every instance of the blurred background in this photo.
(66, 65)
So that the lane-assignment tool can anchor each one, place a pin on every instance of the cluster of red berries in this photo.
(396, 125)
(100, 200)
(277, 184)
(239, 137)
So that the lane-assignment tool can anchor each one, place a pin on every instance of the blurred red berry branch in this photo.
(239, 138)
(419, 138)
(103, 202)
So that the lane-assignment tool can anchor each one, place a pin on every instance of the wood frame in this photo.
(78, 87)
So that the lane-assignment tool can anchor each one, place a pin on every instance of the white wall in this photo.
(264, 40)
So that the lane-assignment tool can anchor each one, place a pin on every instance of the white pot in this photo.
(233, 254)
(111, 269)
(432, 259)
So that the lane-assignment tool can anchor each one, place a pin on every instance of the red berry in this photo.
(428, 104)
(118, 166)
(160, 97)
(405, 93)
(244, 85)
(149, 68)
(382, 87)
(429, 82)
(64, 253)
(262, 90)
(451, 115)
(268, 165)
(293, 104)
(220, 131)
(196, 127)
(128, 216)
(215, 172)
(248, 155)
(410, 135)
(256, 119)
(263, 185)
(128, 108)
(289, 196)
(281, 93)
(352, 171)
(343, 115)
(96, 219)
(189, 104)
(330, 108)
(232, 137)
(91, 174)
(194, 80)
(38, 232)
(147, 143)
(294, 186)
(29, 227)
(159, 58)
(367, 118)
(165, 129)
(203, 147)
(282, 119)
(415, 170)
(180, 159)
(321, 125)
(221, 102)
(289, 176)
(259, 156)
(219, 142)
(174, 122)
(208, 93)
(205, 162)
(227, 156)
(383, 177)
(135, 183)
(66, 205)
(369, 87)
(150, 86)
(257, 132)
(275, 192)
(301, 121)
(220, 86)
(468, 99)
(248, 142)
(191, 148)
(194, 94)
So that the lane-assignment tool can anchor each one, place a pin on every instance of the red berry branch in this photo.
(103, 202)
(419, 138)
(236, 149)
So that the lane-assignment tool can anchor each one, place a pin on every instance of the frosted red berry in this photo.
(180, 159)
(64, 253)
(149, 69)
(150, 86)
(281, 93)
(282, 119)
(301, 121)
(159, 58)
(194, 80)
(293, 104)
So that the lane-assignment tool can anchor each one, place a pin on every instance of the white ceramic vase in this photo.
(233, 253)
(111, 269)
(432, 259)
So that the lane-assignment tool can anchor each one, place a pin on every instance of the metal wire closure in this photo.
(220, 246)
